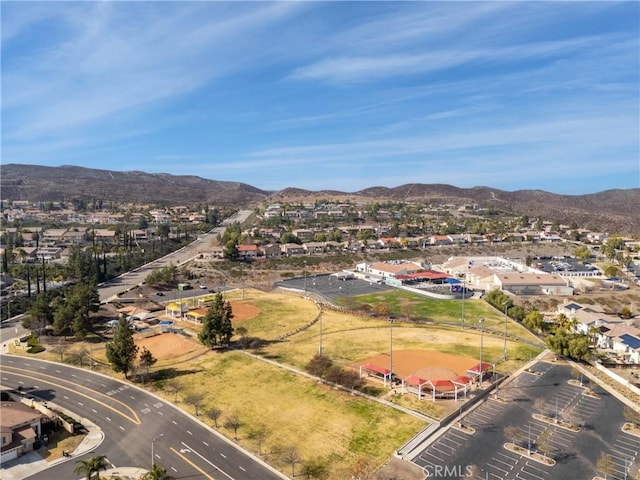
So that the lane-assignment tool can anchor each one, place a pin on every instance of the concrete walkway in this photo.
(32, 463)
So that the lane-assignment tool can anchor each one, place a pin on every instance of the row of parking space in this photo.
(508, 465)
(623, 454)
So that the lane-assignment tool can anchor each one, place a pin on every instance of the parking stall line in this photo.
(528, 476)
(508, 465)
(445, 439)
(446, 454)
(503, 471)
(532, 466)
(619, 449)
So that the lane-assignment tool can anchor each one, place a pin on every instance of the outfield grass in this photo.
(402, 304)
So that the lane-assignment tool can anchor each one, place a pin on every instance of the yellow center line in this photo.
(192, 464)
(134, 418)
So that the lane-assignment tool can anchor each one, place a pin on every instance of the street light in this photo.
(481, 321)
(152, 442)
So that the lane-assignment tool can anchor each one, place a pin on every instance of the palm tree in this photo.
(84, 467)
(99, 462)
(156, 473)
(91, 466)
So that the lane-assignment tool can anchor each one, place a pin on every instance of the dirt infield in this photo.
(168, 345)
(243, 311)
(424, 364)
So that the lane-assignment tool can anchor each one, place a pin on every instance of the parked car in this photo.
(203, 287)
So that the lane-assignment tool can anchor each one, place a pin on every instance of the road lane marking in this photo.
(192, 464)
(208, 461)
(134, 418)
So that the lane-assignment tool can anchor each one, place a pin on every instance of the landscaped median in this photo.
(538, 457)
(556, 422)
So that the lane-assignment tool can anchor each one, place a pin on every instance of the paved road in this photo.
(576, 453)
(131, 418)
(124, 282)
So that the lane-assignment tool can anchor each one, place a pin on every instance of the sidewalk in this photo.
(32, 462)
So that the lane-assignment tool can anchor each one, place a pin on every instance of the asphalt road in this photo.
(576, 453)
(127, 281)
(131, 418)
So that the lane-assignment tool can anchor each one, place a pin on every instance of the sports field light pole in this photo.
(463, 295)
(390, 348)
(152, 442)
(481, 321)
(320, 346)
(506, 306)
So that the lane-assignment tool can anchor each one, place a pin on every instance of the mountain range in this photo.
(611, 210)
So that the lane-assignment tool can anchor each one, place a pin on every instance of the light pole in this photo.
(152, 442)
(390, 348)
(320, 346)
(506, 306)
(481, 321)
(463, 295)
(305, 278)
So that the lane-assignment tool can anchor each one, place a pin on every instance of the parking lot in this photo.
(332, 287)
(600, 421)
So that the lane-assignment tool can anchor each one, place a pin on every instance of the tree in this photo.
(173, 386)
(122, 350)
(244, 339)
(156, 473)
(513, 434)
(233, 422)
(214, 414)
(195, 399)
(543, 442)
(319, 365)
(534, 321)
(315, 468)
(40, 311)
(540, 405)
(217, 329)
(291, 457)
(258, 433)
(90, 466)
(605, 465)
(147, 360)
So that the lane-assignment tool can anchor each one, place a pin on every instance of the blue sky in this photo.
(336, 95)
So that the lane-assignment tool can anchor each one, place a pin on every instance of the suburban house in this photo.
(290, 249)
(20, 426)
(247, 252)
(270, 251)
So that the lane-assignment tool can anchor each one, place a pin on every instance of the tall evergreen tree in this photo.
(122, 350)
(217, 329)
